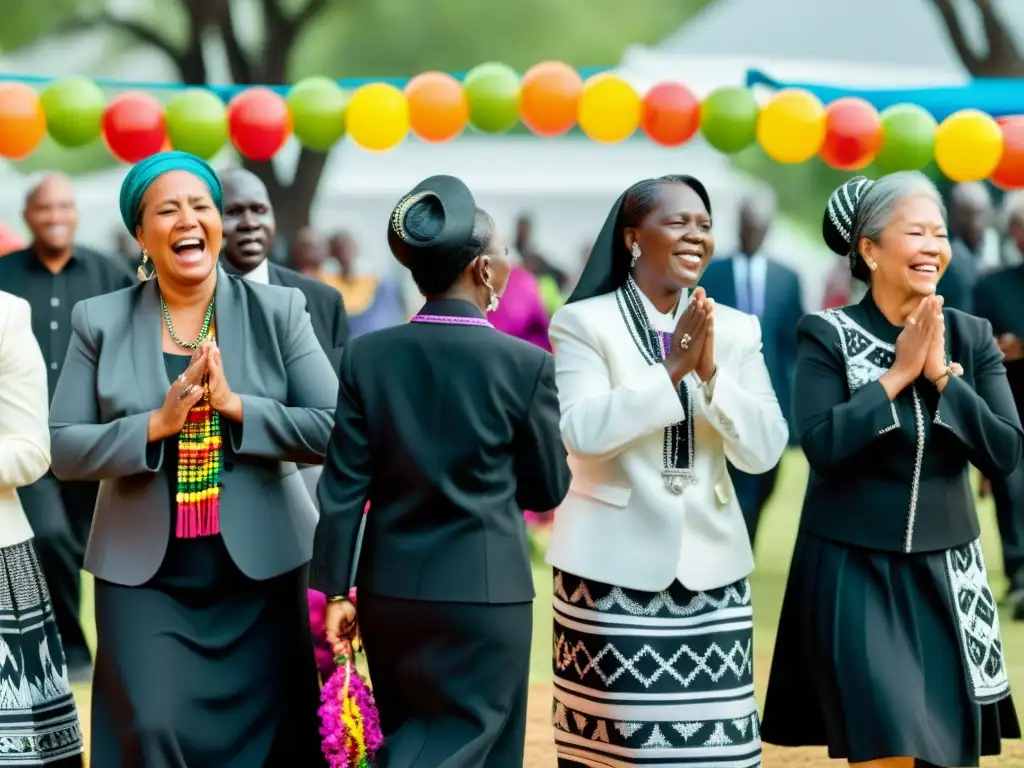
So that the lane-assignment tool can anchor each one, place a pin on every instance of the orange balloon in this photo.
(438, 107)
(167, 147)
(549, 98)
(22, 121)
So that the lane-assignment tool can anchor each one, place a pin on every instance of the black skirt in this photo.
(203, 667)
(450, 680)
(38, 719)
(876, 658)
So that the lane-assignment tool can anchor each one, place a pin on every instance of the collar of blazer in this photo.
(147, 329)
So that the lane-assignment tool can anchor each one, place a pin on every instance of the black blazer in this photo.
(451, 431)
(325, 306)
(998, 299)
(893, 476)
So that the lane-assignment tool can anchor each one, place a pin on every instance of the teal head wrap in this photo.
(144, 173)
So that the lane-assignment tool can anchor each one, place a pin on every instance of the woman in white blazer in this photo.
(658, 387)
(38, 720)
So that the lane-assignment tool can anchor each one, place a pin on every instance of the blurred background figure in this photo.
(757, 284)
(308, 253)
(970, 218)
(372, 300)
(521, 311)
(53, 274)
(10, 241)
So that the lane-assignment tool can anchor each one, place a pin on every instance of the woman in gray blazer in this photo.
(190, 398)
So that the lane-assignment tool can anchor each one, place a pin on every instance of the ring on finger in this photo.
(187, 391)
(912, 321)
(684, 342)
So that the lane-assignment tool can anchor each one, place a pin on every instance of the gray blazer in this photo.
(114, 375)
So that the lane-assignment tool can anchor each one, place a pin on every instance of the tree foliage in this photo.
(279, 41)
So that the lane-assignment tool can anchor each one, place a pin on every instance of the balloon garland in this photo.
(550, 99)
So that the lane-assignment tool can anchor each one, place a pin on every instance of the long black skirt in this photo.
(38, 720)
(876, 658)
(450, 681)
(204, 668)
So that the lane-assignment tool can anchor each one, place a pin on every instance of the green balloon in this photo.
(74, 111)
(728, 119)
(197, 122)
(492, 90)
(908, 139)
(317, 106)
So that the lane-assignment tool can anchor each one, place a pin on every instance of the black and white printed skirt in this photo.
(38, 720)
(881, 654)
(654, 678)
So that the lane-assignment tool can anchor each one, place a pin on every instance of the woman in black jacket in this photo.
(889, 648)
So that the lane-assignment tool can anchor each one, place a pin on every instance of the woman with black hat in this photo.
(450, 428)
(889, 649)
(659, 387)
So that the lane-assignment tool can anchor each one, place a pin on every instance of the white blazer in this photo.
(24, 413)
(619, 524)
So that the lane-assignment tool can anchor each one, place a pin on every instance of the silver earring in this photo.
(635, 251)
(142, 273)
(492, 302)
(872, 265)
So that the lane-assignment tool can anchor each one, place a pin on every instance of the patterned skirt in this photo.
(654, 678)
(880, 654)
(38, 720)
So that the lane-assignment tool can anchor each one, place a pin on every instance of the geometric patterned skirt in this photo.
(38, 720)
(654, 678)
(885, 654)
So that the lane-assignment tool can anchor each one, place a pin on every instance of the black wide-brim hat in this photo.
(450, 219)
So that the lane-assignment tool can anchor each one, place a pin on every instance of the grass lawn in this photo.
(775, 545)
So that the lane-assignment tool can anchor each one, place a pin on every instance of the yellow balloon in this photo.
(378, 116)
(609, 109)
(968, 146)
(791, 127)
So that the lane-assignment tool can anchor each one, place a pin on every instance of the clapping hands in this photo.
(692, 346)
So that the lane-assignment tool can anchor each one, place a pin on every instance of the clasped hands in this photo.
(920, 349)
(693, 341)
(187, 390)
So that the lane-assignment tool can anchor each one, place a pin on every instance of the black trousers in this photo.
(61, 515)
(1008, 493)
(753, 492)
(450, 680)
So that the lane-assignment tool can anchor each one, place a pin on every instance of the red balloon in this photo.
(853, 134)
(259, 122)
(671, 114)
(1009, 174)
(133, 127)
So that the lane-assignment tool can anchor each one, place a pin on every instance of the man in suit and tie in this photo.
(753, 283)
(249, 233)
(997, 299)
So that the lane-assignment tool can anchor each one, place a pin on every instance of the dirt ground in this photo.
(540, 748)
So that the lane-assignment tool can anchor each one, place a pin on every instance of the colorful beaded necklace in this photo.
(199, 451)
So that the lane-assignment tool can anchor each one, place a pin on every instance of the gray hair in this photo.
(1012, 210)
(876, 209)
(760, 206)
(971, 195)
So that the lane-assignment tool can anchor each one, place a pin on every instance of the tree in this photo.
(1001, 58)
(358, 38)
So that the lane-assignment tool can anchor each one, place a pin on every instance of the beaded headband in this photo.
(398, 215)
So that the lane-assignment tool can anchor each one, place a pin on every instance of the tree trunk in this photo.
(1001, 57)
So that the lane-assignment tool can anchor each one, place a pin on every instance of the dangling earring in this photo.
(142, 273)
(635, 250)
(492, 302)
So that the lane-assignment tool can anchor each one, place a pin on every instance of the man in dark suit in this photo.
(53, 274)
(753, 283)
(997, 299)
(970, 215)
(249, 232)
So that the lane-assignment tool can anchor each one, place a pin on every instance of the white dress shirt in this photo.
(749, 273)
(260, 273)
(619, 523)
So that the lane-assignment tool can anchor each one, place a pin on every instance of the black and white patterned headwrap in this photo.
(837, 227)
